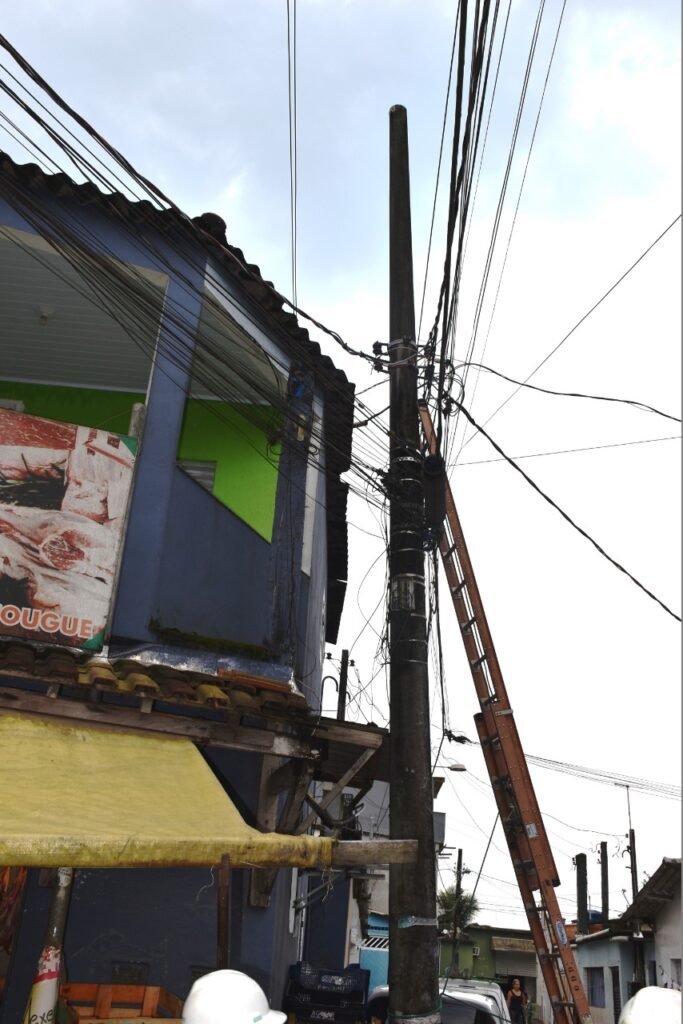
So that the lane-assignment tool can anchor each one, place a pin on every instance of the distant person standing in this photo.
(517, 1002)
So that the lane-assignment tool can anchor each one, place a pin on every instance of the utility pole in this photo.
(638, 949)
(604, 884)
(413, 949)
(343, 678)
(581, 862)
(455, 966)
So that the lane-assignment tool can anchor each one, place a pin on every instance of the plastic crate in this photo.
(332, 997)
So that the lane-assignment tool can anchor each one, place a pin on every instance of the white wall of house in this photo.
(668, 943)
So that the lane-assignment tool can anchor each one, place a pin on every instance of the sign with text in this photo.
(63, 499)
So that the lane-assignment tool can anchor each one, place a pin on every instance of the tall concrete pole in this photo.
(413, 949)
(457, 921)
(343, 682)
(604, 884)
(581, 862)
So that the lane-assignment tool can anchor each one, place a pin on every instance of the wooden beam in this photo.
(283, 777)
(291, 812)
(215, 734)
(266, 818)
(336, 789)
(374, 851)
(344, 732)
(321, 812)
(263, 879)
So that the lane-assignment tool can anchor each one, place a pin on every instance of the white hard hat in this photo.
(653, 1005)
(229, 997)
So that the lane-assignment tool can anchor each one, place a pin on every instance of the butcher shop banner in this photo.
(63, 499)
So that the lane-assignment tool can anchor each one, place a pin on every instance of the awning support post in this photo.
(224, 870)
(42, 1003)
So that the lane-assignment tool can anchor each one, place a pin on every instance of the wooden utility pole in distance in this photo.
(343, 682)
(413, 951)
(457, 922)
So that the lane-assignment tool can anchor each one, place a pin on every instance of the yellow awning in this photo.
(84, 796)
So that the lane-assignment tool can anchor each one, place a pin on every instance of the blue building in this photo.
(135, 328)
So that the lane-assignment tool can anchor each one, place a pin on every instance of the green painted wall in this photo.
(246, 466)
(108, 410)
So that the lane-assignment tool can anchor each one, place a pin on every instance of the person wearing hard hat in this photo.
(652, 1005)
(229, 995)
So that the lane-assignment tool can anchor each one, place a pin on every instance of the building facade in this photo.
(189, 586)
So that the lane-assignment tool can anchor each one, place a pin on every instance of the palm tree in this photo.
(457, 910)
(461, 914)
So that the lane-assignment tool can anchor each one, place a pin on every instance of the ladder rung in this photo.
(466, 627)
(457, 589)
(451, 551)
(476, 665)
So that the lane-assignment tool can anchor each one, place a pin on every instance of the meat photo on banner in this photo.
(63, 500)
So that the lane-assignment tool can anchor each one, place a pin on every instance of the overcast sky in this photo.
(194, 93)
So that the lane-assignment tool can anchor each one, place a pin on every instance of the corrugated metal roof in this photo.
(339, 391)
(656, 894)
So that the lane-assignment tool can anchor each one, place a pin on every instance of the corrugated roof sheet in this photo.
(656, 894)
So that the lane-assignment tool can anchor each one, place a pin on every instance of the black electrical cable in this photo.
(576, 394)
(156, 194)
(506, 176)
(438, 168)
(566, 516)
(517, 205)
(571, 451)
(585, 316)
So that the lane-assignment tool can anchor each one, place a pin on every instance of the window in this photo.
(203, 473)
(595, 986)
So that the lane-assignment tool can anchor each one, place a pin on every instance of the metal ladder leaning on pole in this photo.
(520, 815)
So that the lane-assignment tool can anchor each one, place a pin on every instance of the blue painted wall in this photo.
(213, 573)
(186, 562)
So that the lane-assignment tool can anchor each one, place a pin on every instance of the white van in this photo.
(462, 1002)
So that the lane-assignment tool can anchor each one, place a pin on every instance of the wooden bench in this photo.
(118, 1004)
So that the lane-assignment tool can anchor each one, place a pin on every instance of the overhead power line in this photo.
(576, 326)
(152, 192)
(291, 94)
(575, 394)
(571, 451)
(475, 328)
(608, 778)
(566, 516)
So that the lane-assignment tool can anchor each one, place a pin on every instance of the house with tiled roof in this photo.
(173, 552)
(649, 931)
